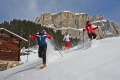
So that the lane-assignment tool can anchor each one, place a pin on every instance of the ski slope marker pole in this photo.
(83, 39)
(28, 49)
(99, 32)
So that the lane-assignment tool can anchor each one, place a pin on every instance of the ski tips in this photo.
(42, 67)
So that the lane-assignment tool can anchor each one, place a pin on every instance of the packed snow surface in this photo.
(99, 62)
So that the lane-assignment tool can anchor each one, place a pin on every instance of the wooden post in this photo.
(19, 50)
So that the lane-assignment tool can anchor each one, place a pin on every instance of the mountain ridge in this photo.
(69, 19)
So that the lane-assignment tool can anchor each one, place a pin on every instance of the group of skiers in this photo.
(41, 36)
(90, 31)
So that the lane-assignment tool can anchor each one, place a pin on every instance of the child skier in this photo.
(66, 38)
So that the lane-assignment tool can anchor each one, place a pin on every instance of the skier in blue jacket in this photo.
(41, 38)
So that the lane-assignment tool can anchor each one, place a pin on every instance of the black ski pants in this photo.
(92, 36)
(42, 53)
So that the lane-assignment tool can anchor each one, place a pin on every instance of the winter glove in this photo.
(29, 36)
(83, 29)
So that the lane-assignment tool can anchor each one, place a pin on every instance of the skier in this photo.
(41, 38)
(90, 30)
(66, 38)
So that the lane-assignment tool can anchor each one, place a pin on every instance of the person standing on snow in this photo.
(41, 38)
(90, 30)
(66, 38)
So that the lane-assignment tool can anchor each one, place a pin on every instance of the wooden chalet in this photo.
(10, 45)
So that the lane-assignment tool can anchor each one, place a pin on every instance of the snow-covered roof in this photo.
(14, 34)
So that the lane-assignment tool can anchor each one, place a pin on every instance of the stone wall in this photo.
(8, 64)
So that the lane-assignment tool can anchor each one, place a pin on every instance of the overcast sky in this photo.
(30, 9)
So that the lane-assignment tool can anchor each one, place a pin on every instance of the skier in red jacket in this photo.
(90, 30)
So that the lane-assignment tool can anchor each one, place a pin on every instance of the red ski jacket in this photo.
(90, 29)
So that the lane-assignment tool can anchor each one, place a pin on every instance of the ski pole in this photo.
(57, 48)
(28, 49)
(73, 41)
(103, 29)
(99, 32)
(83, 38)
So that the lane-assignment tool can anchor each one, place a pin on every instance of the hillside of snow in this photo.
(99, 62)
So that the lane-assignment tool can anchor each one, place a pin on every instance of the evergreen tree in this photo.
(25, 28)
